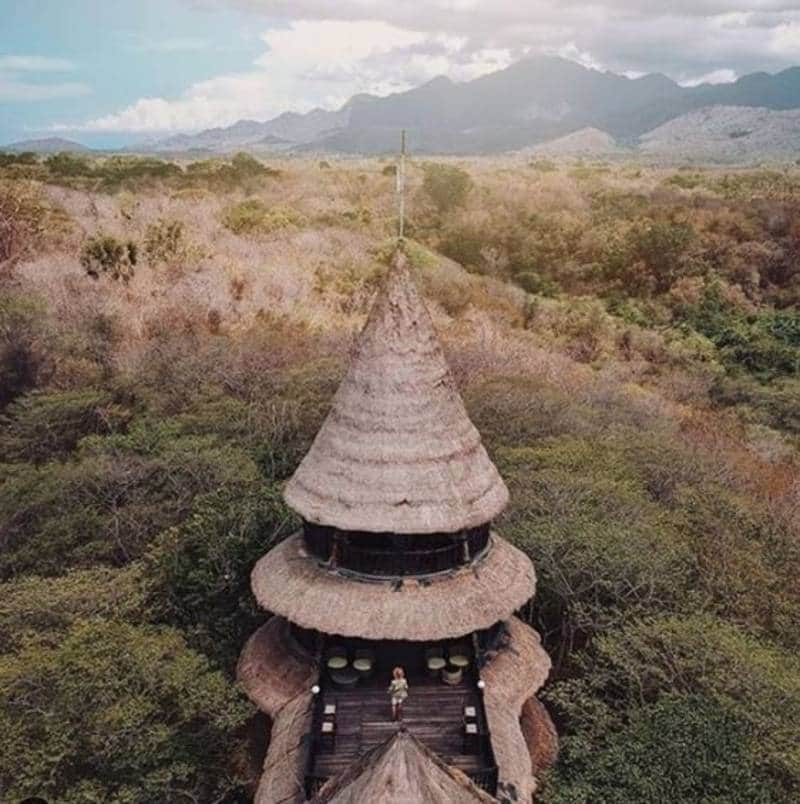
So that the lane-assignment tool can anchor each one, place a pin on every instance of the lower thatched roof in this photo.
(290, 582)
(270, 673)
(540, 735)
(279, 682)
(511, 678)
(401, 770)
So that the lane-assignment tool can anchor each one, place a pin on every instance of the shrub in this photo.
(680, 748)
(40, 426)
(25, 346)
(108, 504)
(746, 691)
(68, 165)
(23, 220)
(543, 165)
(198, 573)
(253, 217)
(165, 242)
(446, 185)
(104, 254)
(116, 712)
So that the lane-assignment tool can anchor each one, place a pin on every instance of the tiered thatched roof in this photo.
(400, 771)
(512, 677)
(279, 682)
(398, 452)
(290, 582)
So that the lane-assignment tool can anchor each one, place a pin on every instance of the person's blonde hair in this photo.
(398, 672)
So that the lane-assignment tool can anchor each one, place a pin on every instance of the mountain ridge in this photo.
(530, 102)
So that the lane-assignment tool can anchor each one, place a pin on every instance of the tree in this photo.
(447, 186)
(116, 713)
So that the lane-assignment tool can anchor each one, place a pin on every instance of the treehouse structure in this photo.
(397, 564)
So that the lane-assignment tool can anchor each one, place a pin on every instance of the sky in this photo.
(108, 73)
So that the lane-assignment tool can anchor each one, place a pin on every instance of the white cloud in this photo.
(16, 86)
(309, 63)
(12, 89)
(34, 64)
(722, 76)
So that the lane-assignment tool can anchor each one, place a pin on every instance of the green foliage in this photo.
(447, 186)
(741, 737)
(116, 712)
(680, 748)
(165, 242)
(24, 220)
(243, 170)
(253, 217)
(198, 573)
(37, 610)
(24, 158)
(766, 344)
(25, 346)
(42, 426)
(66, 164)
(543, 165)
(108, 504)
(104, 254)
(652, 256)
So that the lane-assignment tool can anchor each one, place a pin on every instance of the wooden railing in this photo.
(410, 555)
(398, 564)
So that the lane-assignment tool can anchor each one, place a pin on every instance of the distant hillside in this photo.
(586, 141)
(49, 145)
(727, 133)
(289, 129)
(534, 101)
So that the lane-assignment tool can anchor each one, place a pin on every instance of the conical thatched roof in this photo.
(398, 452)
(401, 771)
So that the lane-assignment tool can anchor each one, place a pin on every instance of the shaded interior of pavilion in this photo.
(444, 710)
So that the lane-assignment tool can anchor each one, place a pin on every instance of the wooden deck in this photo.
(433, 713)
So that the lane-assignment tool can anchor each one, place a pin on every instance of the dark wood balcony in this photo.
(387, 555)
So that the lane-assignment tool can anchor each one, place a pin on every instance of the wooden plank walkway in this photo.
(433, 713)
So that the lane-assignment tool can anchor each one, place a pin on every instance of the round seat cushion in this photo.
(337, 662)
(459, 661)
(362, 665)
(436, 663)
(345, 678)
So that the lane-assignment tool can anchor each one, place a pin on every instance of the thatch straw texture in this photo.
(290, 582)
(269, 672)
(512, 677)
(279, 682)
(540, 735)
(401, 771)
(283, 779)
(398, 452)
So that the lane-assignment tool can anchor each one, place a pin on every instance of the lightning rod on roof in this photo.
(401, 187)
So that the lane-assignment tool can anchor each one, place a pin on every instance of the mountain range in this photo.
(532, 102)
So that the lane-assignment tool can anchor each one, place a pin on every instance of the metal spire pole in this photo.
(401, 186)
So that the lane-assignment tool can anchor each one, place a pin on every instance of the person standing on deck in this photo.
(398, 692)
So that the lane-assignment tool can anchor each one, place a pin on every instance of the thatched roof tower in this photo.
(398, 452)
(396, 558)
